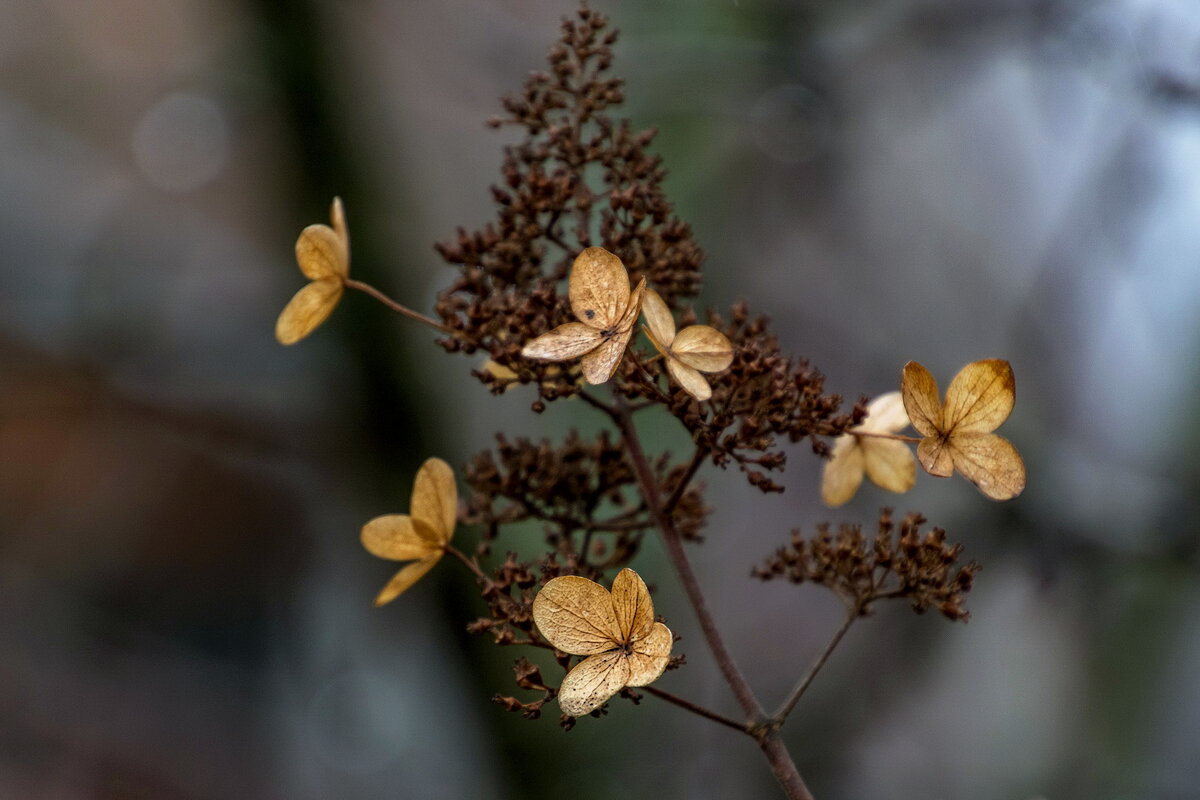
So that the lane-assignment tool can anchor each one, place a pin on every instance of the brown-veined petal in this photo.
(307, 309)
(889, 464)
(633, 309)
(399, 537)
(632, 605)
(593, 681)
(435, 498)
(934, 455)
(600, 364)
(690, 379)
(920, 392)
(991, 463)
(703, 347)
(843, 471)
(406, 577)
(563, 343)
(322, 254)
(980, 397)
(650, 656)
(659, 322)
(886, 414)
(598, 288)
(576, 616)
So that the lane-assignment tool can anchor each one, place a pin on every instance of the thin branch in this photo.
(394, 306)
(681, 487)
(786, 707)
(470, 562)
(695, 708)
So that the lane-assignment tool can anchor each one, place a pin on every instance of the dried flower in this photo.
(323, 254)
(958, 435)
(616, 631)
(691, 351)
(421, 535)
(887, 462)
(600, 298)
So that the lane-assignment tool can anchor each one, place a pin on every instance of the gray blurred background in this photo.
(185, 611)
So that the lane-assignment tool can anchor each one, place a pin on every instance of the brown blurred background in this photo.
(184, 606)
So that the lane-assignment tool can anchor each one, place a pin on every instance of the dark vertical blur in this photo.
(184, 606)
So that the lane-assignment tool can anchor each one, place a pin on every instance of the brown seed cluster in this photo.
(899, 563)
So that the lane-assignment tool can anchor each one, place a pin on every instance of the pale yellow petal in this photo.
(598, 288)
(991, 463)
(886, 414)
(889, 464)
(593, 681)
(690, 379)
(576, 616)
(632, 309)
(704, 348)
(600, 364)
(322, 254)
(406, 577)
(921, 400)
(435, 498)
(399, 537)
(843, 471)
(307, 309)
(563, 343)
(632, 605)
(659, 321)
(934, 455)
(980, 397)
(650, 655)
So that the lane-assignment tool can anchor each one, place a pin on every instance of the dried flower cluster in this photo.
(899, 563)
(579, 180)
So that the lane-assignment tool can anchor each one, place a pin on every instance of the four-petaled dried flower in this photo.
(695, 349)
(615, 630)
(600, 298)
(420, 537)
(958, 435)
(323, 254)
(887, 462)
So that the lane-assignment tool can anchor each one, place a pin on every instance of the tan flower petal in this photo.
(886, 414)
(600, 364)
(650, 656)
(934, 455)
(659, 322)
(406, 577)
(632, 605)
(690, 379)
(435, 498)
(576, 616)
(889, 463)
(625, 324)
(307, 309)
(563, 343)
(843, 472)
(703, 347)
(337, 215)
(322, 253)
(598, 288)
(593, 681)
(991, 463)
(921, 400)
(980, 397)
(399, 537)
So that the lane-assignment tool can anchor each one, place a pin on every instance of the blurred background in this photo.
(185, 610)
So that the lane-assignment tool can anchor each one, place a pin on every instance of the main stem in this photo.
(768, 737)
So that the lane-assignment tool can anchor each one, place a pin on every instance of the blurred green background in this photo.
(185, 611)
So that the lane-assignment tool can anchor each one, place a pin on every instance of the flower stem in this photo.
(694, 708)
(394, 306)
(786, 707)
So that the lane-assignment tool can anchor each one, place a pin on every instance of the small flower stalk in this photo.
(546, 298)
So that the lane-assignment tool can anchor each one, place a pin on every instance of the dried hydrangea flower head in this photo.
(958, 434)
(691, 351)
(323, 254)
(598, 289)
(615, 630)
(888, 463)
(422, 535)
